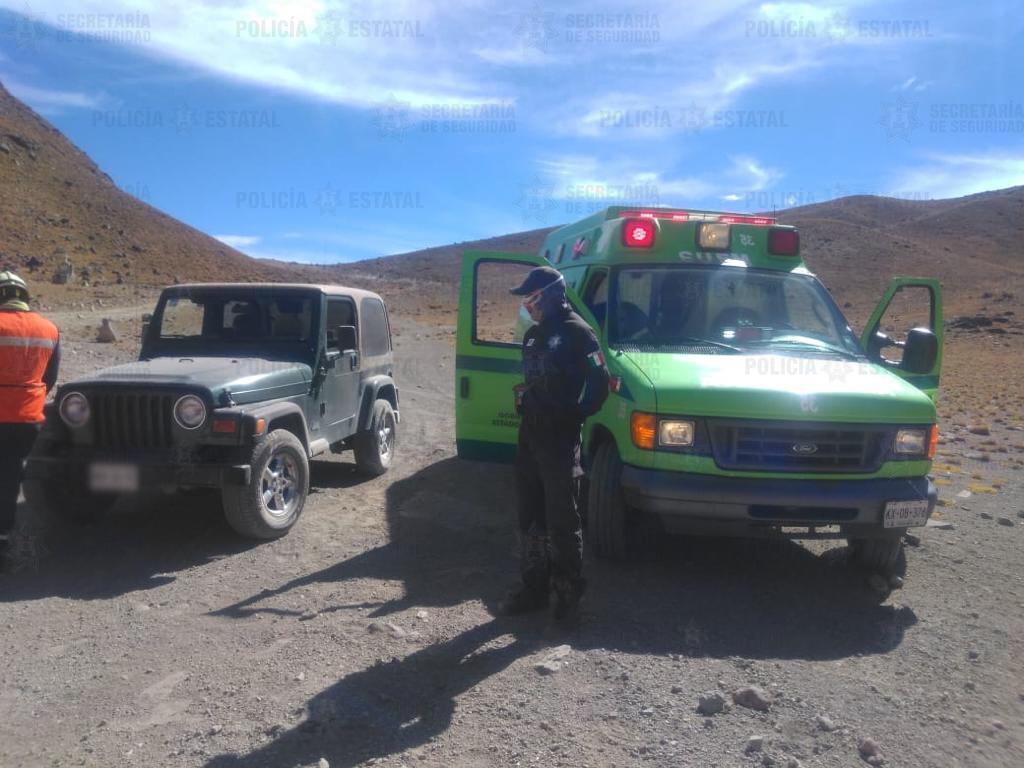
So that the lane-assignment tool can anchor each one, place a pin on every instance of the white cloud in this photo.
(355, 54)
(613, 181)
(239, 241)
(48, 100)
(956, 175)
(365, 55)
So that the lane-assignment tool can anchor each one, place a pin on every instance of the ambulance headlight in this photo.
(713, 236)
(190, 412)
(911, 442)
(74, 409)
(676, 434)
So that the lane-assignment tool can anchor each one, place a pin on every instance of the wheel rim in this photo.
(279, 486)
(386, 437)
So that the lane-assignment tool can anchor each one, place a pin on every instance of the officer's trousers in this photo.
(547, 485)
(15, 444)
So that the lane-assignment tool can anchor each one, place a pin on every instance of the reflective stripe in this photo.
(26, 341)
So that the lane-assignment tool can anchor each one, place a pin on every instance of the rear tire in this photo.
(65, 503)
(614, 530)
(271, 503)
(375, 448)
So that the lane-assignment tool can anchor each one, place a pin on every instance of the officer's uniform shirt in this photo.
(565, 371)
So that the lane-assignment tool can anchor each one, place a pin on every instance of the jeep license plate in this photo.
(906, 514)
(113, 478)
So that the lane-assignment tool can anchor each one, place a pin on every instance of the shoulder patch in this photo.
(596, 359)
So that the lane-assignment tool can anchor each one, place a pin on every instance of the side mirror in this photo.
(877, 343)
(147, 318)
(346, 338)
(920, 351)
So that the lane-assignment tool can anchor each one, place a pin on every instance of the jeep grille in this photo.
(797, 447)
(132, 421)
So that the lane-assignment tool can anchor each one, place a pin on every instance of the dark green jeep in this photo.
(237, 387)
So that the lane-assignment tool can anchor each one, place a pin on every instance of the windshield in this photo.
(737, 309)
(219, 320)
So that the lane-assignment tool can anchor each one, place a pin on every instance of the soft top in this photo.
(331, 290)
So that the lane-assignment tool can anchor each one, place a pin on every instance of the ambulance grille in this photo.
(132, 421)
(797, 447)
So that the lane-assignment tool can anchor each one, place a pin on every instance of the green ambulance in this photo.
(741, 401)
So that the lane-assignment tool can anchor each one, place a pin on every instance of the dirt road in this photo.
(158, 638)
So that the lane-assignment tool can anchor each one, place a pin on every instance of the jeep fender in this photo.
(284, 415)
(376, 388)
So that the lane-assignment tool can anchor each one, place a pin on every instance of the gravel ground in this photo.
(158, 638)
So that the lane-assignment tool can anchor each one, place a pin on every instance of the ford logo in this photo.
(804, 449)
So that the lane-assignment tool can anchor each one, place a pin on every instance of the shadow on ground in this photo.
(140, 544)
(451, 541)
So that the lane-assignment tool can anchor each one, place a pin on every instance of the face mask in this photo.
(534, 302)
(532, 305)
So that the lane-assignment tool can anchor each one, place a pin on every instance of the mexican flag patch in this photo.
(596, 359)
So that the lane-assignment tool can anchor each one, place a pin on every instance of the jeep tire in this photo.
(374, 448)
(270, 504)
(60, 503)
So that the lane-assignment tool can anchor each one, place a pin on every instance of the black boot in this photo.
(523, 599)
(568, 593)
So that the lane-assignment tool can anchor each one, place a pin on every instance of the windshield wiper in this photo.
(681, 341)
(821, 346)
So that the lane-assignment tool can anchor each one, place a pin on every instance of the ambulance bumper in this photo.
(743, 505)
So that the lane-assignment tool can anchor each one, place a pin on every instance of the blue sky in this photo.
(322, 132)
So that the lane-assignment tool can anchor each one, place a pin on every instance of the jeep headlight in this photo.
(911, 442)
(190, 412)
(74, 409)
(677, 434)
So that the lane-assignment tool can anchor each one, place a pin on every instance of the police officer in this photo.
(565, 382)
(29, 358)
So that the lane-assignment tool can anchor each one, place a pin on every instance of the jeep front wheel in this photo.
(270, 504)
(375, 448)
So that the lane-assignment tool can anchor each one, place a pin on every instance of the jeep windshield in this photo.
(235, 321)
(724, 310)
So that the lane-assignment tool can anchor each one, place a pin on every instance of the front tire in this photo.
(884, 555)
(607, 513)
(375, 448)
(270, 504)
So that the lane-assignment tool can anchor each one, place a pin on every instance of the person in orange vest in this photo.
(29, 359)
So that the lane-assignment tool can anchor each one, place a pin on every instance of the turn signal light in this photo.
(643, 428)
(933, 441)
(225, 426)
(261, 427)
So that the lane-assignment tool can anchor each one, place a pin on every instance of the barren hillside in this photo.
(57, 205)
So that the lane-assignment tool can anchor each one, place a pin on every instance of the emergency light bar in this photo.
(726, 218)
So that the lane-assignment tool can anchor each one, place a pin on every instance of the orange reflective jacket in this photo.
(27, 341)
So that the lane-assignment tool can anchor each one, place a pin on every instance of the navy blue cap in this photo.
(538, 278)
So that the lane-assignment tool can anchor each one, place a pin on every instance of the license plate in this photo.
(113, 478)
(906, 514)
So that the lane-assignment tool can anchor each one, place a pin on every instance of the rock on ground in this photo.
(752, 697)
